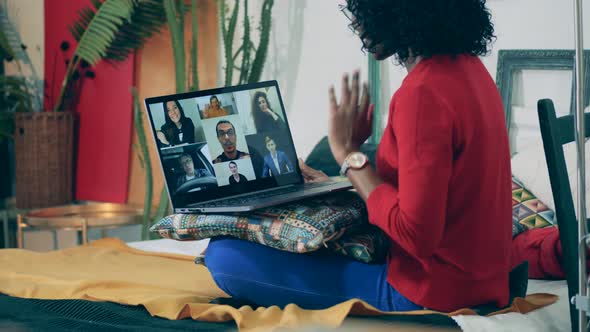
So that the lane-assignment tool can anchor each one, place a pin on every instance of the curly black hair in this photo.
(426, 27)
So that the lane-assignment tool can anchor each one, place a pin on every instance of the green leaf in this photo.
(100, 31)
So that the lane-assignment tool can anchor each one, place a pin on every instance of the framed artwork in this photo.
(512, 63)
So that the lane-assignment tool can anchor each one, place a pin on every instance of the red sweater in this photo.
(446, 199)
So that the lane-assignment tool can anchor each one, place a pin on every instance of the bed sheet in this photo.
(554, 317)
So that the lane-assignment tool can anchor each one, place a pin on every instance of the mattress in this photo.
(554, 317)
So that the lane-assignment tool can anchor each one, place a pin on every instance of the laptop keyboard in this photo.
(245, 200)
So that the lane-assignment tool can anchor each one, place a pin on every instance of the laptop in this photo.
(229, 150)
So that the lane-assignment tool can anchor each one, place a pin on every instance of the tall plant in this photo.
(110, 30)
(248, 58)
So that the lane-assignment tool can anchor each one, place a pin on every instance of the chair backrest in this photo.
(555, 133)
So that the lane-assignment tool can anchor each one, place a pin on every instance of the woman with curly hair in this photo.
(441, 189)
(265, 119)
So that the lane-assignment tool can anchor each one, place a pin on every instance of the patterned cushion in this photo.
(527, 210)
(301, 226)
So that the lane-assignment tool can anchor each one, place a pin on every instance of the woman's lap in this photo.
(267, 276)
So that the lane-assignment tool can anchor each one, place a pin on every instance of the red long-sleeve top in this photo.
(446, 199)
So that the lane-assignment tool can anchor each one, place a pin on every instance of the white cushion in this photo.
(530, 167)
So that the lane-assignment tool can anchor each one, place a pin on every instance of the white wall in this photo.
(311, 47)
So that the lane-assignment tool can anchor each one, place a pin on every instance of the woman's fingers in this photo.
(365, 98)
(345, 96)
(333, 103)
(354, 95)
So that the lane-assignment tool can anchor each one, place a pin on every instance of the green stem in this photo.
(143, 155)
(228, 42)
(69, 71)
(194, 46)
(245, 68)
(177, 44)
(260, 57)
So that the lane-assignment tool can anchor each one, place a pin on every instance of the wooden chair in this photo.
(555, 133)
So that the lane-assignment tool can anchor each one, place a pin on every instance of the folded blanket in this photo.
(170, 286)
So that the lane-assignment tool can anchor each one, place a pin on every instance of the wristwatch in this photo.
(354, 160)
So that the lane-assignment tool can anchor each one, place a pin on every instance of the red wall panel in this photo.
(104, 111)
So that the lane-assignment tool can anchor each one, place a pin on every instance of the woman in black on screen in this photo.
(178, 128)
(265, 118)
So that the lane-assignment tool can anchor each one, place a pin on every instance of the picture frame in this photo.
(514, 60)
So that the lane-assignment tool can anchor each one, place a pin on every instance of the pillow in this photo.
(302, 226)
(530, 168)
(527, 210)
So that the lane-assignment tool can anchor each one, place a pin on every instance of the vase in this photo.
(44, 149)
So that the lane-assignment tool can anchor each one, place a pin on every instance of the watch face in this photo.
(357, 160)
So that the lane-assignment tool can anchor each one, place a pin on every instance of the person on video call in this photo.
(443, 159)
(275, 162)
(235, 177)
(214, 109)
(265, 119)
(226, 134)
(188, 166)
(178, 128)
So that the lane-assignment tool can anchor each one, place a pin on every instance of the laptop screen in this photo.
(223, 142)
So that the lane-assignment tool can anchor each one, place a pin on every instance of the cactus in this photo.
(251, 67)
(228, 37)
(261, 51)
(194, 46)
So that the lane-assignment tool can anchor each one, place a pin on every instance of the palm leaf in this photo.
(145, 21)
(5, 49)
(97, 30)
(14, 89)
(11, 42)
(11, 45)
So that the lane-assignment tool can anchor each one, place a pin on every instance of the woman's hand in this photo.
(162, 137)
(350, 123)
(312, 175)
(270, 113)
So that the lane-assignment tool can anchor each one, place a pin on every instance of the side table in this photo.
(78, 217)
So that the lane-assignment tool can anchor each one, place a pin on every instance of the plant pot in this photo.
(44, 149)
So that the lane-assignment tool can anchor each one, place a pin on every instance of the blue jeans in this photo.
(266, 276)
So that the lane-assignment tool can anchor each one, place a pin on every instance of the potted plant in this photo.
(106, 30)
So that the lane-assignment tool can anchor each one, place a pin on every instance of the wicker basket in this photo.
(44, 155)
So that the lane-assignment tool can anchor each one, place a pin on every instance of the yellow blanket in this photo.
(168, 285)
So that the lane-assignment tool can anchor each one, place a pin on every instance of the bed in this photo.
(554, 317)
